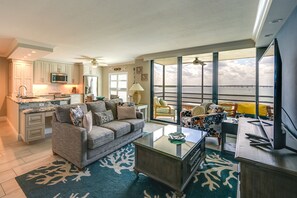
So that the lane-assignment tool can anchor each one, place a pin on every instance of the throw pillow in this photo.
(76, 115)
(163, 102)
(156, 101)
(103, 117)
(199, 110)
(88, 121)
(126, 112)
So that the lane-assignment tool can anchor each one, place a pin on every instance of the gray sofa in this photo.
(80, 147)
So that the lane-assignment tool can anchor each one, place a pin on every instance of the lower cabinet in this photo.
(32, 126)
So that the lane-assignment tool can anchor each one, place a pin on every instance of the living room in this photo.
(211, 53)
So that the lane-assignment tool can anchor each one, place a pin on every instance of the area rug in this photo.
(113, 176)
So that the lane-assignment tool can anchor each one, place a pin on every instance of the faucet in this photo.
(19, 94)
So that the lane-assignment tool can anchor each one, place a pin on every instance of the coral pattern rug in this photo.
(113, 176)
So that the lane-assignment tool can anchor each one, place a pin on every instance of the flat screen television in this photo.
(270, 93)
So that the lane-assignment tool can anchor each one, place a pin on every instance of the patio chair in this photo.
(161, 108)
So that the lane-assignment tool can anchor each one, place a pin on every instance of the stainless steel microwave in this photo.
(59, 78)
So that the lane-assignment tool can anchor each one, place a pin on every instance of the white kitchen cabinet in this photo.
(57, 67)
(41, 71)
(73, 74)
(20, 73)
(32, 126)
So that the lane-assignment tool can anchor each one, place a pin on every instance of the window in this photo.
(118, 84)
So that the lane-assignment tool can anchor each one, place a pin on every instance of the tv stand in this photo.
(263, 172)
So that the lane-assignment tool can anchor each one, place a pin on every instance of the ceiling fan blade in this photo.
(86, 57)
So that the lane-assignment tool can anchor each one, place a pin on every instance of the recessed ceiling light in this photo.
(268, 35)
(33, 52)
(275, 21)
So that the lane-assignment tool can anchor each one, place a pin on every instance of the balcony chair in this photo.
(230, 108)
(161, 108)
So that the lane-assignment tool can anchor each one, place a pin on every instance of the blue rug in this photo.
(113, 176)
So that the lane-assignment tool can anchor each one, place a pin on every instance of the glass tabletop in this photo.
(158, 140)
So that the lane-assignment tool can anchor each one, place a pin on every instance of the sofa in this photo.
(80, 147)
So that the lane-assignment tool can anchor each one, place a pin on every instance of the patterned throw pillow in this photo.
(103, 117)
(88, 121)
(76, 115)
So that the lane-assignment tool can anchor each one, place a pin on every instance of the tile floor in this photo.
(17, 157)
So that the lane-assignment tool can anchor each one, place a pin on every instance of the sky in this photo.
(231, 72)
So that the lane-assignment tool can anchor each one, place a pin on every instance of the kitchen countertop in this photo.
(41, 99)
(39, 110)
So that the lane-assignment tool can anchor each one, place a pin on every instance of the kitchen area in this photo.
(37, 87)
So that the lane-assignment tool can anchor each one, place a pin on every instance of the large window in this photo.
(237, 75)
(196, 80)
(165, 89)
(118, 85)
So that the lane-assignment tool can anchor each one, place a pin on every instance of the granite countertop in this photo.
(39, 110)
(39, 99)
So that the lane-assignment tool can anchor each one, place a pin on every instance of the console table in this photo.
(264, 172)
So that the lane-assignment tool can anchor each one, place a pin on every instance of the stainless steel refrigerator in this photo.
(91, 86)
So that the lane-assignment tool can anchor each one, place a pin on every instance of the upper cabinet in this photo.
(90, 70)
(20, 73)
(43, 70)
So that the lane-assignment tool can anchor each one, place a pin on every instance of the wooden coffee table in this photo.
(169, 163)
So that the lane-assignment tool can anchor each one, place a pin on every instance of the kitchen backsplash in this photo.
(53, 88)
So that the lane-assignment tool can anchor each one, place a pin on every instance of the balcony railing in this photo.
(191, 94)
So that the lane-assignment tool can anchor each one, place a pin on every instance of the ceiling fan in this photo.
(198, 62)
(95, 61)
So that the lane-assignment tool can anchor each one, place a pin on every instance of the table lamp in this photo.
(136, 87)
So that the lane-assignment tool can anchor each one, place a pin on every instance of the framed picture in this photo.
(144, 77)
(139, 70)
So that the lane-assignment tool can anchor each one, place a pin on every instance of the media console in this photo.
(264, 172)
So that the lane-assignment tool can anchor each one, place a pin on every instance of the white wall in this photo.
(145, 95)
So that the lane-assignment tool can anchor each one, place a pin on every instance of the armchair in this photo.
(162, 109)
(211, 123)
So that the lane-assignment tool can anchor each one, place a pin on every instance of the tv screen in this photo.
(270, 95)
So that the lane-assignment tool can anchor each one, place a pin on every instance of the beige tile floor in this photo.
(17, 157)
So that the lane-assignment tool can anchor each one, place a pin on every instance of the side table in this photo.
(143, 109)
(228, 126)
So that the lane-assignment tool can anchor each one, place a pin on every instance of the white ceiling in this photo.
(120, 31)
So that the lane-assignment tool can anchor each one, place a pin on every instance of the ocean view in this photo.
(226, 93)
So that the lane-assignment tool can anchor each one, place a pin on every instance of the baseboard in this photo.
(3, 118)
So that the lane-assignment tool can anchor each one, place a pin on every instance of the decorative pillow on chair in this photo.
(198, 110)
(76, 115)
(126, 112)
(88, 121)
(103, 117)
(163, 102)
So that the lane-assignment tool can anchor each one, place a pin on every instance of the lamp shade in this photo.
(136, 87)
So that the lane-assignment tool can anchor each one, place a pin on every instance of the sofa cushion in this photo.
(63, 112)
(125, 112)
(136, 124)
(112, 105)
(96, 106)
(103, 117)
(99, 136)
(88, 121)
(119, 128)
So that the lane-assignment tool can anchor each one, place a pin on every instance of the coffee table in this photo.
(169, 163)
